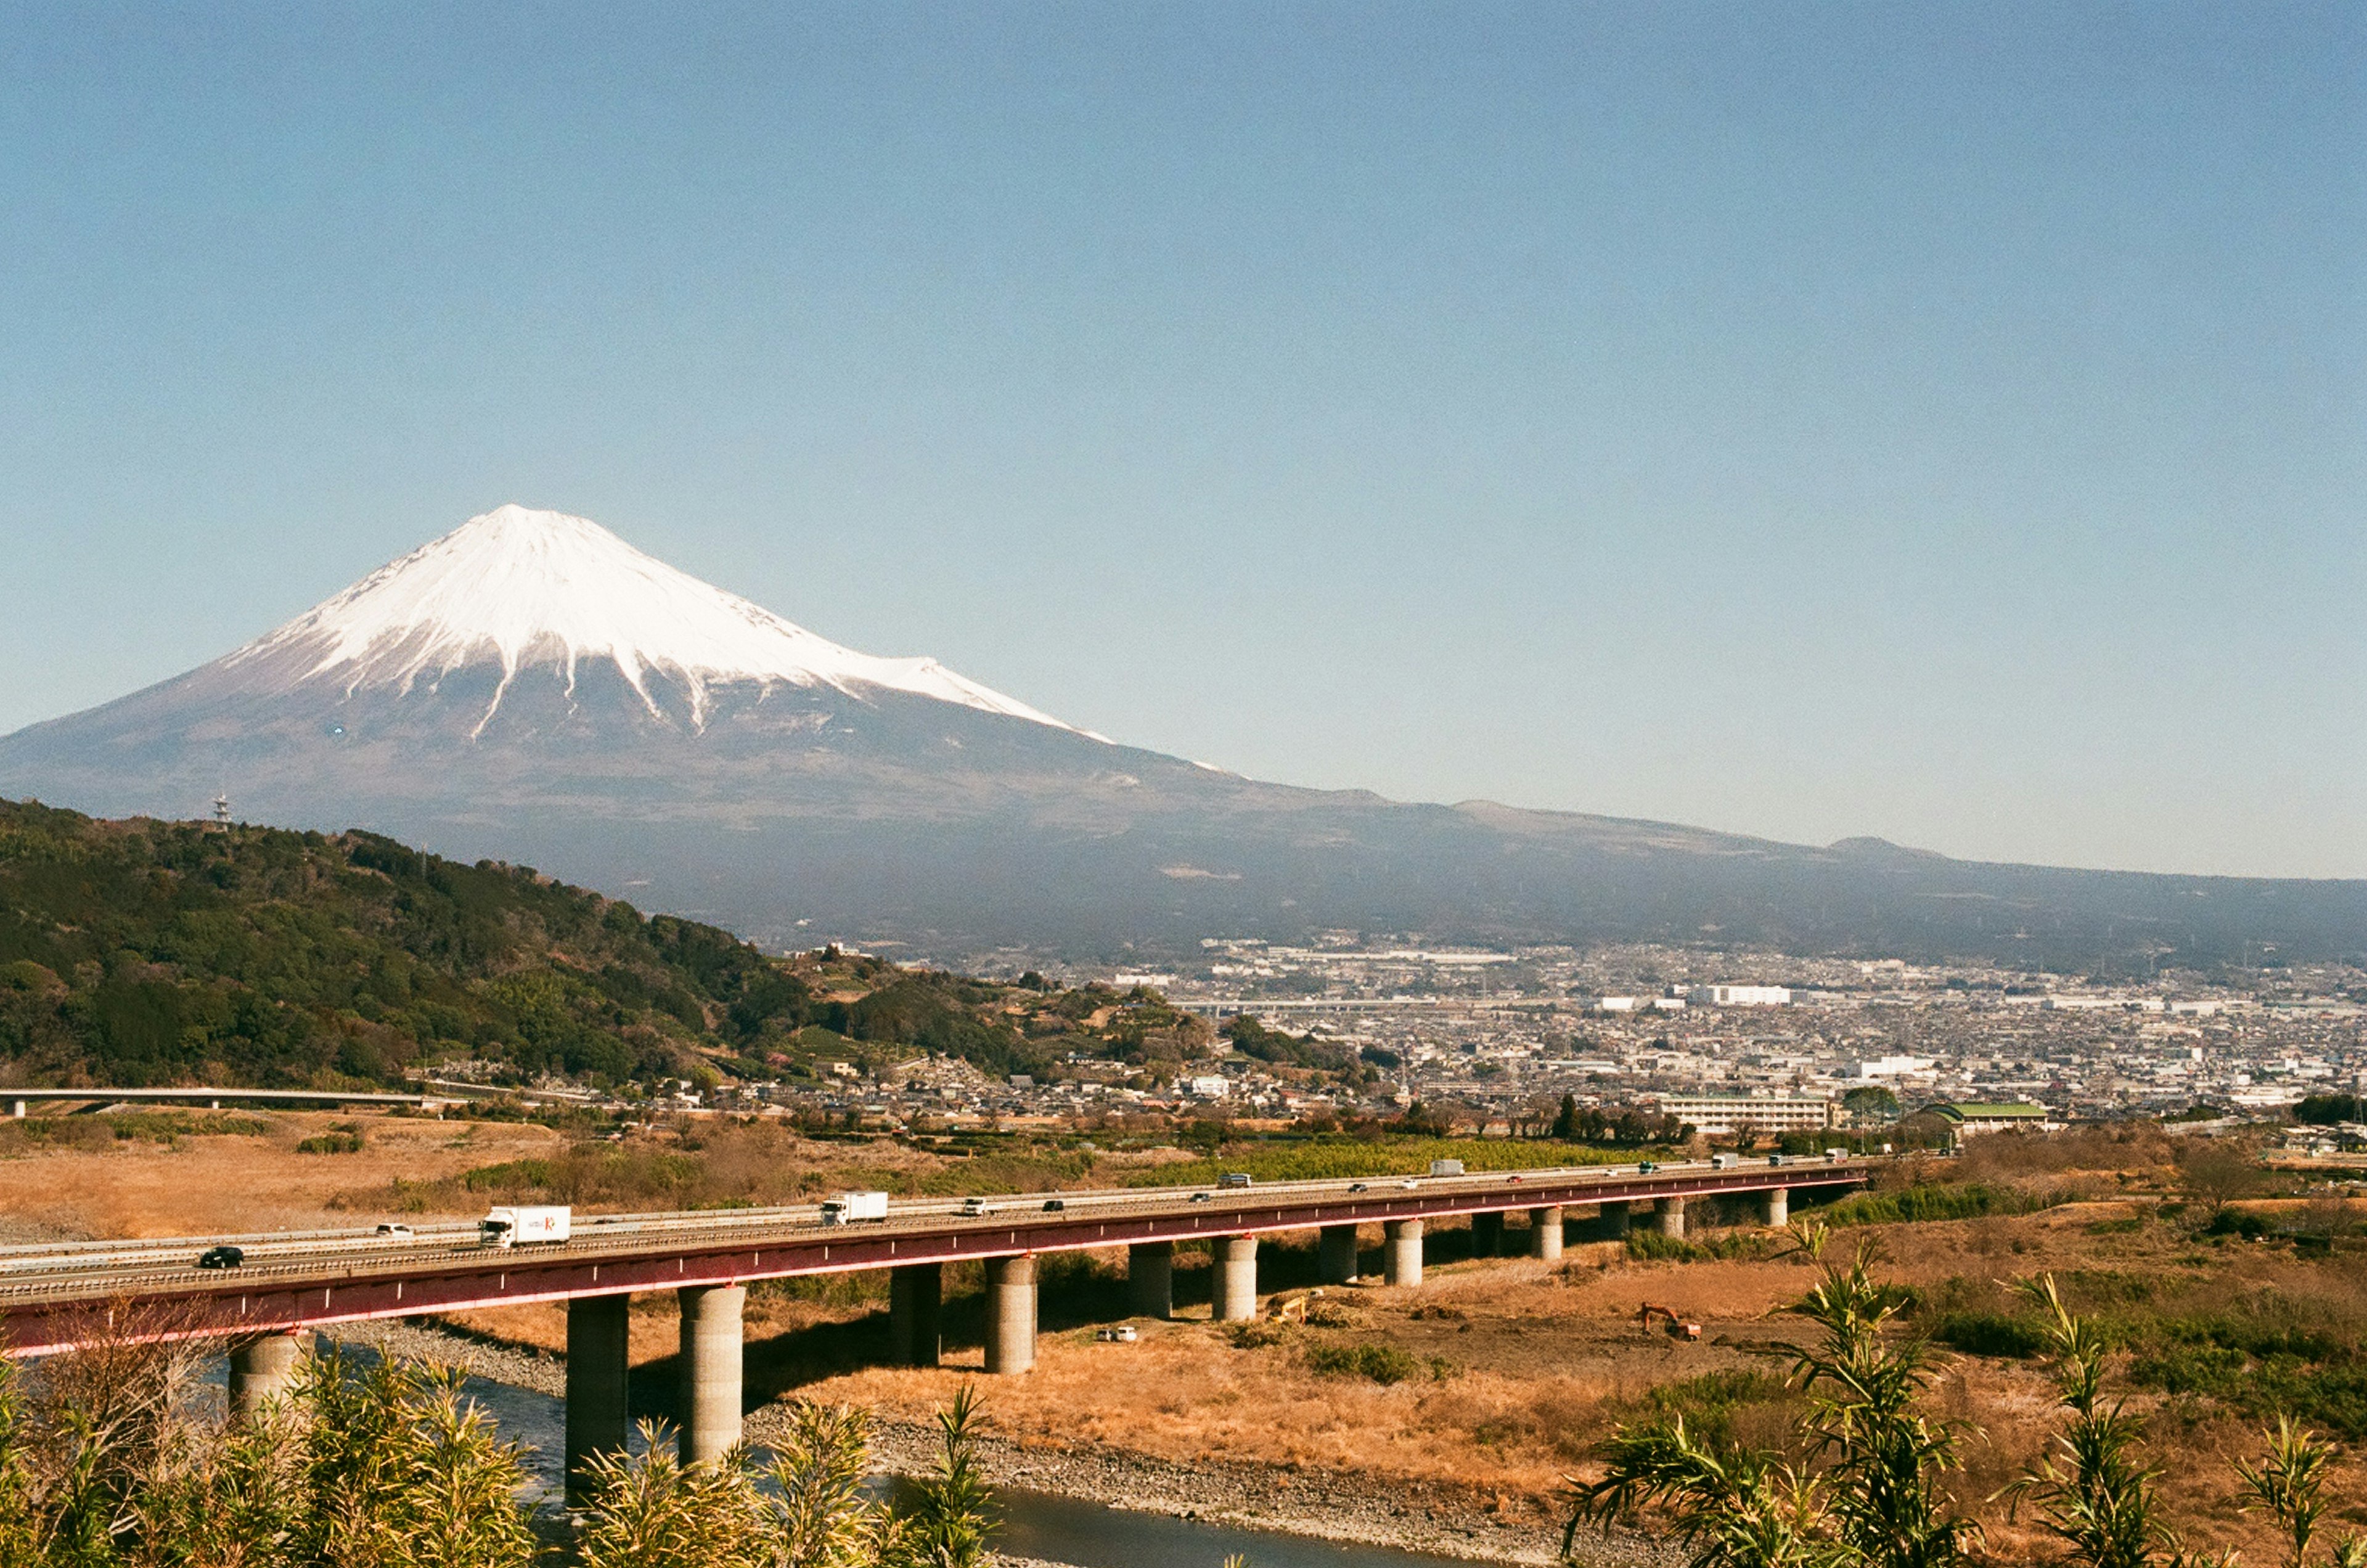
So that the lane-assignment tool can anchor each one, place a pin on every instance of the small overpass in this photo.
(53, 1298)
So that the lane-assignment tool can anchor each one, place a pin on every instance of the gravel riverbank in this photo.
(484, 1358)
(1441, 1520)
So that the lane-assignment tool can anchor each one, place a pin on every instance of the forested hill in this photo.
(142, 951)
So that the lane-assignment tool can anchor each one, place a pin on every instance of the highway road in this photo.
(58, 1294)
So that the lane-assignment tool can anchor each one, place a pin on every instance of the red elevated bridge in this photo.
(53, 1298)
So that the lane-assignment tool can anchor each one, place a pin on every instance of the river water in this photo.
(1034, 1523)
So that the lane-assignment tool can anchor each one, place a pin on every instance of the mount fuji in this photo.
(531, 688)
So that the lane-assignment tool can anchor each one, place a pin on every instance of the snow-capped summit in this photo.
(525, 587)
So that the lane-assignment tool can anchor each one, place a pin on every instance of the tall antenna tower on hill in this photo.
(221, 814)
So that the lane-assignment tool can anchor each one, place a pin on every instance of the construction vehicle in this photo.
(1678, 1327)
(1292, 1309)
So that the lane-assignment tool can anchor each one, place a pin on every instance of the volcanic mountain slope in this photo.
(531, 688)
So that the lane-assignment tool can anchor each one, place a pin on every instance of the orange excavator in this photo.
(1678, 1327)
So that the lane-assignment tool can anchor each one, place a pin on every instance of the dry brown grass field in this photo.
(74, 1178)
(1515, 1367)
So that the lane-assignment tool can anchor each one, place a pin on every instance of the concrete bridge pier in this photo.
(262, 1369)
(1668, 1216)
(1779, 1206)
(598, 1419)
(1615, 1220)
(1545, 1233)
(1010, 1314)
(1401, 1252)
(1151, 1278)
(915, 1290)
(1335, 1255)
(1487, 1235)
(1233, 1293)
(16, 1109)
(710, 1370)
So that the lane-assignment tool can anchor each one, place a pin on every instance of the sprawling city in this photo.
(1492, 1042)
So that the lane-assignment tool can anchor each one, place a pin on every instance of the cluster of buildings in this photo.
(1724, 1040)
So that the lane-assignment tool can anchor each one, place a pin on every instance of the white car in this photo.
(972, 1207)
(397, 1233)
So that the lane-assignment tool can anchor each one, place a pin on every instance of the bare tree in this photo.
(2218, 1171)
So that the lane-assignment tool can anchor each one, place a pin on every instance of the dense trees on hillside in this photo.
(1252, 1037)
(143, 952)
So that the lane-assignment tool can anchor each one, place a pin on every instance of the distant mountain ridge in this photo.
(531, 688)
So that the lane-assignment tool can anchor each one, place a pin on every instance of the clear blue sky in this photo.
(1939, 422)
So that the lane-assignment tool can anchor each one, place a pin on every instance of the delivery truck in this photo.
(523, 1226)
(1446, 1168)
(845, 1208)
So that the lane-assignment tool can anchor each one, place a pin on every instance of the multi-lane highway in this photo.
(57, 1296)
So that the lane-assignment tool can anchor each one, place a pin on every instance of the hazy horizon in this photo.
(1806, 422)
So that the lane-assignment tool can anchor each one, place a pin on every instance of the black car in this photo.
(1358, 1187)
(1198, 1197)
(221, 1257)
(1646, 1168)
(1053, 1205)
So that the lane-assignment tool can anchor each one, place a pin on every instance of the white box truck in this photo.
(525, 1226)
(1446, 1168)
(845, 1208)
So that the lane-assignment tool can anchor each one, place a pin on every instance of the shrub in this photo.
(1381, 1363)
(1989, 1334)
(1257, 1333)
(1653, 1246)
(105, 1463)
(1935, 1201)
(1333, 1314)
(2236, 1222)
(331, 1144)
(2261, 1361)
(1707, 1403)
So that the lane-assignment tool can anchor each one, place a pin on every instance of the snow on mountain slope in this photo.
(525, 587)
